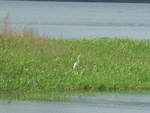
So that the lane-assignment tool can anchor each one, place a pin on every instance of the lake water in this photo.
(101, 103)
(79, 19)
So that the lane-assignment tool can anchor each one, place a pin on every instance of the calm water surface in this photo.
(104, 103)
(79, 19)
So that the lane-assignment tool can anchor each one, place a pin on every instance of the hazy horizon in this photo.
(120, 1)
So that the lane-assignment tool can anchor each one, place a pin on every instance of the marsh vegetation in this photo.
(29, 62)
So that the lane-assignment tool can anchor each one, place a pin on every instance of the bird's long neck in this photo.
(78, 60)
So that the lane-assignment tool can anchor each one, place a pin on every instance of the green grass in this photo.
(44, 64)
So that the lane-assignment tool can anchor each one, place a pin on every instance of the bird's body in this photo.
(76, 63)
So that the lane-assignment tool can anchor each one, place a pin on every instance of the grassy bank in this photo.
(35, 64)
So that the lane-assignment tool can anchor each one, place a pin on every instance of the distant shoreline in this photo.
(108, 1)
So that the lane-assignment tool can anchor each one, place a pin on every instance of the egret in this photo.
(76, 63)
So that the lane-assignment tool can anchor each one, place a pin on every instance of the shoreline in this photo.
(91, 1)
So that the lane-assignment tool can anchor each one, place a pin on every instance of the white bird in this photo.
(76, 63)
